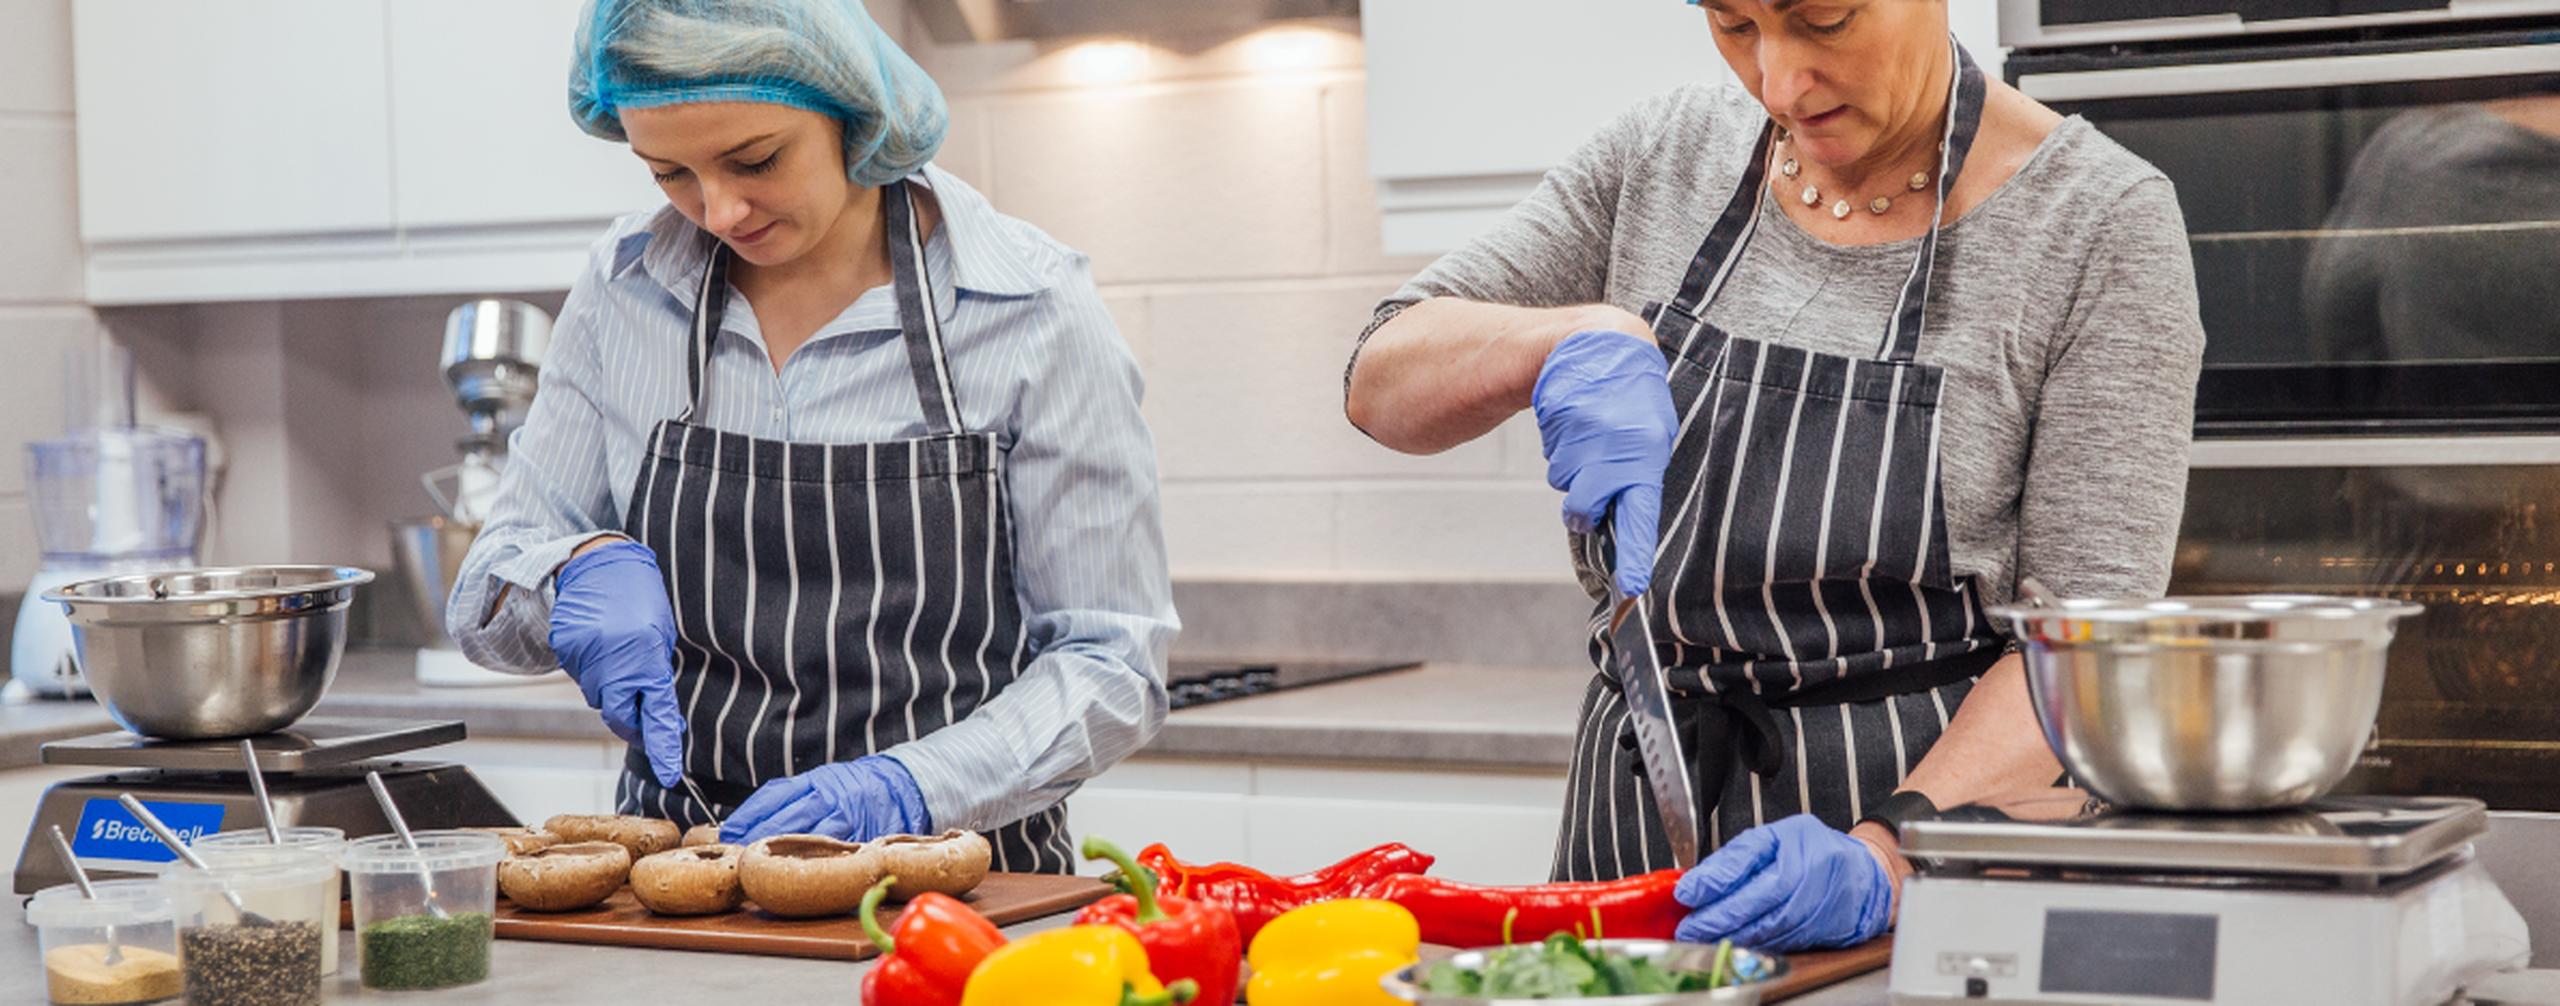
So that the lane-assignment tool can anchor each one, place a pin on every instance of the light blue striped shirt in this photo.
(1035, 359)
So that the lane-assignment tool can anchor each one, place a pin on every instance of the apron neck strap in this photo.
(1734, 228)
(918, 324)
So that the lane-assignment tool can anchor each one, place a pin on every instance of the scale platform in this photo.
(315, 777)
(2349, 901)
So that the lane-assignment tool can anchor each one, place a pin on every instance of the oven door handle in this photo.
(2291, 74)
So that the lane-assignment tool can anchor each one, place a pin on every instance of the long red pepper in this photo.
(927, 962)
(1256, 898)
(1184, 938)
(1471, 915)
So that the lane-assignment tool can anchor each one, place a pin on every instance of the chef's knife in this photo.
(1666, 767)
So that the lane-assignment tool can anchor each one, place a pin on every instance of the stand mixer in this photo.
(492, 359)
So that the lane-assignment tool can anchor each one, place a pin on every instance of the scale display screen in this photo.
(107, 832)
(2129, 954)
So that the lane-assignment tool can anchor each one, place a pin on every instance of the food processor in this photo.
(110, 497)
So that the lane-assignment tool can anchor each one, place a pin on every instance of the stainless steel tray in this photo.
(1762, 970)
(2376, 836)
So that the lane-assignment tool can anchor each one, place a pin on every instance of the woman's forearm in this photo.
(1446, 371)
(1992, 747)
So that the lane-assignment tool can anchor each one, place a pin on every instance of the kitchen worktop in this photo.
(1447, 714)
(565, 975)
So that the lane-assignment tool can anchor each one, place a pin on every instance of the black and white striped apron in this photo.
(832, 600)
(1816, 641)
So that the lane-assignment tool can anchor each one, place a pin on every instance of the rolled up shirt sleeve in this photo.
(554, 495)
(1090, 575)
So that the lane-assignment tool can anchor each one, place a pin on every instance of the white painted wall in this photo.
(42, 308)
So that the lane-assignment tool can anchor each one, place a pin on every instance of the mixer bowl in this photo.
(2237, 703)
(198, 654)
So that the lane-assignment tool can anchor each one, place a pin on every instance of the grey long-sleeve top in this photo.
(2063, 310)
(1034, 358)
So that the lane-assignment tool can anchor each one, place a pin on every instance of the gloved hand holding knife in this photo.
(615, 634)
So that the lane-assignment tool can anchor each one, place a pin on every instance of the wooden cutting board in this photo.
(1005, 898)
(1813, 970)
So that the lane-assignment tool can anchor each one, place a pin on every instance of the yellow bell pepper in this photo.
(1075, 966)
(1332, 953)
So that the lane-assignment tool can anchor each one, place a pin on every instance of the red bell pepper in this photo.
(1473, 915)
(927, 963)
(1184, 938)
(1256, 897)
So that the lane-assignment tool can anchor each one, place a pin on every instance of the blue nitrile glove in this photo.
(856, 801)
(1605, 419)
(1796, 884)
(614, 633)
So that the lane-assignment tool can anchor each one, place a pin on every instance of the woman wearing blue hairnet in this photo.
(836, 501)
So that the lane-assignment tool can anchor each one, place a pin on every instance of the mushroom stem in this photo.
(871, 916)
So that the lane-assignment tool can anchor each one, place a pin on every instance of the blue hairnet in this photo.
(826, 56)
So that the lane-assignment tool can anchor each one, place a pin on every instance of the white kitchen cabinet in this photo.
(1471, 101)
(247, 117)
(480, 127)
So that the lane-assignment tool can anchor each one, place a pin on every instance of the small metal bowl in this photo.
(199, 654)
(1759, 971)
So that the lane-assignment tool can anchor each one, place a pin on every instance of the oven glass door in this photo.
(2376, 225)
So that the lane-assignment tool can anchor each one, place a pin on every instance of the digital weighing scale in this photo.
(2345, 902)
(315, 776)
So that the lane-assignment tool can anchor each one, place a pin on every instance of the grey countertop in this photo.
(1447, 714)
(566, 975)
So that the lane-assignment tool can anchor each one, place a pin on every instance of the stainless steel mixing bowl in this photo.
(1758, 972)
(195, 654)
(2237, 703)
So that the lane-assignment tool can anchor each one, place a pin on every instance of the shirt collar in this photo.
(991, 256)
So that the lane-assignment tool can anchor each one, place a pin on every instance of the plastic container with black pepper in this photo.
(120, 948)
(273, 959)
(423, 916)
(329, 842)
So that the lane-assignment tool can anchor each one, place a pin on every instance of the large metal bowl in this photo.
(1759, 970)
(197, 654)
(2238, 703)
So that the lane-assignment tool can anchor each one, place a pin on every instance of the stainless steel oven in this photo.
(2374, 214)
(2026, 24)
(2468, 527)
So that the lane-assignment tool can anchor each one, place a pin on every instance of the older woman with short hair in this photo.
(836, 501)
(1824, 362)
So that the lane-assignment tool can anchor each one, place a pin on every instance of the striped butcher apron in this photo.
(831, 600)
(1815, 640)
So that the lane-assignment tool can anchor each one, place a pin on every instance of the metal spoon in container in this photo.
(399, 826)
(170, 838)
(258, 785)
(115, 954)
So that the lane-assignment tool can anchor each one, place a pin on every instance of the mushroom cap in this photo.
(696, 880)
(521, 840)
(807, 876)
(952, 863)
(700, 834)
(564, 877)
(643, 836)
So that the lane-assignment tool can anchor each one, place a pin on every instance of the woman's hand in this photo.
(1791, 885)
(855, 801)
(1606, 422)
(615, 634)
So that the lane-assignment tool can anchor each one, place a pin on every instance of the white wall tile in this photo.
(1471, 531)
(35, 56)
(979, 68)
(1247, 384)
(19, 550)
(1351, 195)
(40, 251)
(31, 386)
(964, 147)
(1306, 45)
(1249, 530)
(1210, 182)
(1129, 310)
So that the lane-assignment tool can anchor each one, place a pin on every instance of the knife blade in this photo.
(1666, 767)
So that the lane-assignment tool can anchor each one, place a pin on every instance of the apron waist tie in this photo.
(1725, 730)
